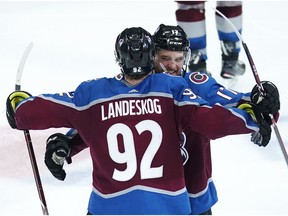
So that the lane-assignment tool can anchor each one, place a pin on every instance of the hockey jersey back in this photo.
(134, 134)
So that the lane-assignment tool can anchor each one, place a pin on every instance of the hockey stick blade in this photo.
(21, 66)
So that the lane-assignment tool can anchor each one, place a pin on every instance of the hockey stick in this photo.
(27, 135)
(258, 82)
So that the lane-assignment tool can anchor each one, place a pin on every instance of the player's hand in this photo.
(58, 149)
(263, 136)
(11, 103)
(270, 102)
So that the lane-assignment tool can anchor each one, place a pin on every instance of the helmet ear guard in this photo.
(187, 57)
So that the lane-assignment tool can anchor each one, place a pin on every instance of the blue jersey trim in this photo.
(204, 202)
(140, 202)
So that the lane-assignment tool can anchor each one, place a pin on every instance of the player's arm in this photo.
(217, 121)
(207, 88)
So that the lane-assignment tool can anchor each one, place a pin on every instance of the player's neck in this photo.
(131, 80)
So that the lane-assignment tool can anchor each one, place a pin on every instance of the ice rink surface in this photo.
(74, 41)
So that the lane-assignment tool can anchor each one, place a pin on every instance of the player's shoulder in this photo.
(198, 78)
(168, 79)
(92, 83)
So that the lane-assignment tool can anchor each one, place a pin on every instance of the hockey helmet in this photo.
(171, 38)
(135, 51)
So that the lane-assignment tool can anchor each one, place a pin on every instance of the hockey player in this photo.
(132, 124)
(190, 15)
(172, 54)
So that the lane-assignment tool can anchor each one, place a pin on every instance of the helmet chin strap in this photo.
(187, 57)
(169, 72)
(163, 67)
(186, 62)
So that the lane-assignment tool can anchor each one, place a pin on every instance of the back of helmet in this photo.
(135, 51)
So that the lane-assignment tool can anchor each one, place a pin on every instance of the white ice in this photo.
(74, 41)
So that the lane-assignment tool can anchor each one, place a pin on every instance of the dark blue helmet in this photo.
(135, 51)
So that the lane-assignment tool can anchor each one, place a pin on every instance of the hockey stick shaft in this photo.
(28, 137)
(36, 172)
(250, 59)
(258, 81)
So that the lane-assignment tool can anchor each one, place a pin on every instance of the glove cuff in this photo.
(11, 103)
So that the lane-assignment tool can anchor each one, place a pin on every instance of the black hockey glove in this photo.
(13, 99)
(58, 149)
(263, 136)
(268, 104)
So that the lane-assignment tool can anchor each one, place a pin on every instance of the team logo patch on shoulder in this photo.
(198, 77)
(119, 77)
